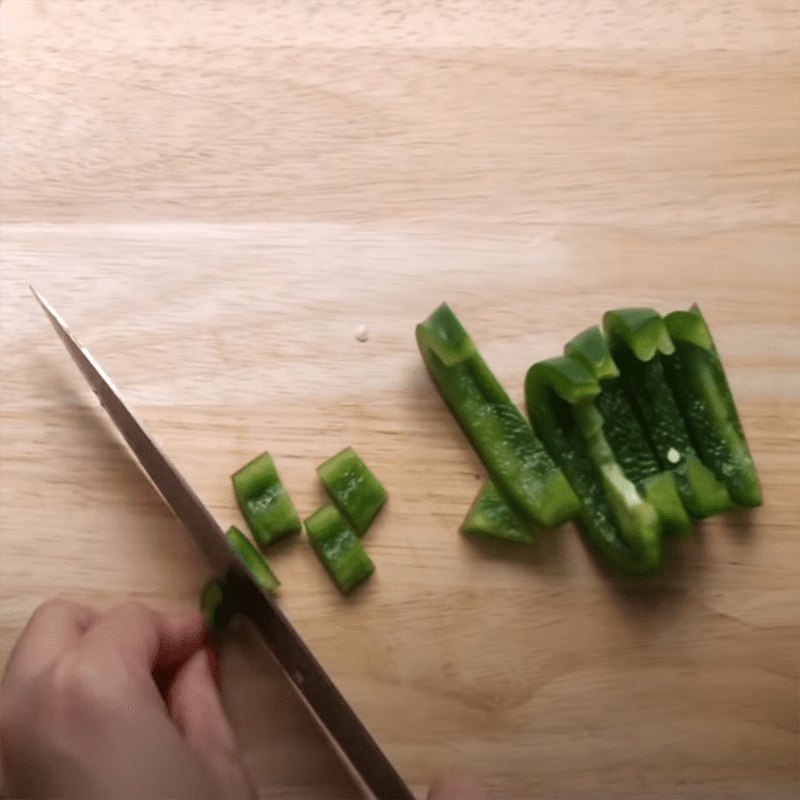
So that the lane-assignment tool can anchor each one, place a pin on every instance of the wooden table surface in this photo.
(216, 195)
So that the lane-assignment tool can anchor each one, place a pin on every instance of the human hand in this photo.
(117, 705)
(456, 789)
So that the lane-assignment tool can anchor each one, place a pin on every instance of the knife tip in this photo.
(55, 320)
(42, 302)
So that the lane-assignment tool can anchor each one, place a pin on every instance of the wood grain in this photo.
(216, 195)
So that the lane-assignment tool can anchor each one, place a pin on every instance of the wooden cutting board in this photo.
(219, 196)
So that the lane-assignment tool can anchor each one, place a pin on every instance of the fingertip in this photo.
(195, 703)
(456, 788)
(196, 707)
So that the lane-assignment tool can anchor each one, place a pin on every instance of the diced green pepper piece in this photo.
(215, 606)
(624, 432)
(638, 340)
(264, 501)
(516, 460)
(254, 561)
(618, 521)
(354, 489)
(698, 381)
(492, 517)
(338, 548)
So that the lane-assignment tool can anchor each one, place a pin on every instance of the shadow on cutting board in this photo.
(647, 601)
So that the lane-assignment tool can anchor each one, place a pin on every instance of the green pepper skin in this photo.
(491, 517)
(698, 381)
(253, 560)
(623, 526)
(639, 341)
(517, 462)
(216, 607)
(264, 501)
(624, 432)
(590, 349)
(354, 489)
(338, 547)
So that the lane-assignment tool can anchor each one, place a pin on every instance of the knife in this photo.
(280, 636)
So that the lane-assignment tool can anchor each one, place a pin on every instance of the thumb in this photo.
(455, 788)
(196, 707)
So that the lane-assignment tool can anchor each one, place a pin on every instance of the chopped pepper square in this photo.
(354, 489)
(338, 548)
(264, 501)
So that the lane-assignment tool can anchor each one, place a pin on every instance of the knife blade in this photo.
(280, 636)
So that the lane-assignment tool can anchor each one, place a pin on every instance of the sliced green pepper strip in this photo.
(264, 501)
(618, 521)
(624, 432)
(638, 340)
(215, 606)
(354, 489)
(492, 517)
(517, 462)
(254, 561)
(642, 329)
(338, 548)
(698, 381)
(590, 348)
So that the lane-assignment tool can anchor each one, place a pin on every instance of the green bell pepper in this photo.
(216, 606)
(695, 373)
(491, 517)
(215, 599)
(624, 432)
(354, 489)
(338, 547)
(638, 340)
(518, 464)
(623, 526)
(264, 501)
(254, 561)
